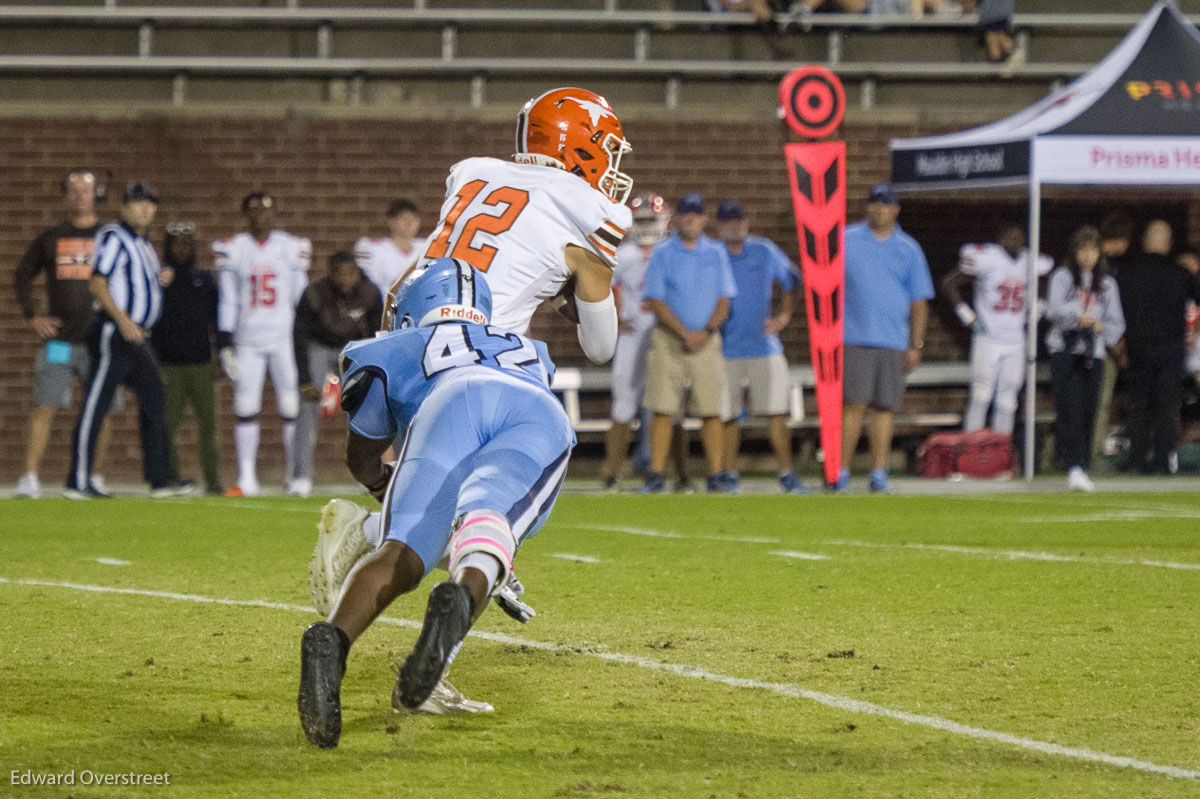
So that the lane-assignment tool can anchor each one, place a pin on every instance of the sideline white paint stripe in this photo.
(693, 672)
(1016, 554)
(112, 561)
(1109, 516)
(574, 557)
(785, 553)
(651, 533)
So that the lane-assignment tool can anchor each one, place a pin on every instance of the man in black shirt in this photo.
(60, 253)
(1154, 294)
(335, 310)
(183, 340)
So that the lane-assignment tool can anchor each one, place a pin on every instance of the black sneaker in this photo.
(322, 664)
(611, 484)
(655, 483)
(179, 488)
(447, 619)
(86, 493)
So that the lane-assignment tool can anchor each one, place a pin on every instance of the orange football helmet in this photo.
(575, 130)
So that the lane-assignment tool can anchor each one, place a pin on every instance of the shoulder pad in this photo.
(356, 386)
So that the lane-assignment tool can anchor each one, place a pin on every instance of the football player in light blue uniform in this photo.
(484, 458)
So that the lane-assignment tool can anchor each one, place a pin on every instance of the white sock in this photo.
(373, 529)
(289, 456)
(484, 563)
(245, 437)
(1003, 421)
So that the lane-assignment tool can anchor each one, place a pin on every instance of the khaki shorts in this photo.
(767, 379)
(671, 370)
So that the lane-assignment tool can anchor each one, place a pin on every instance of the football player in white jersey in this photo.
(651, 218)
(261, 274)
(554, 215)
(547, 226)
(384, 260)
(996, 316)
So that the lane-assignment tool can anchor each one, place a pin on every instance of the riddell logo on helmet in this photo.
(459, 313)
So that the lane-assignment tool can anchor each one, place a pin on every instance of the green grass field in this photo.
(1012, 646)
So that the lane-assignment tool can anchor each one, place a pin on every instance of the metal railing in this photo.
(446, 23)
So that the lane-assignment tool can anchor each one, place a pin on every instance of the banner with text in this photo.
(1135, 160)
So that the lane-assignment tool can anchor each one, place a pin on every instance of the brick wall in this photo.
(332, 179)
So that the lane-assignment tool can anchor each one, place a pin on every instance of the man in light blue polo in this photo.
(750, 341)
(887, 292)
(688, 286)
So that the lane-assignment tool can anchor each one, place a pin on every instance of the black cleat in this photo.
(447, 619)
(322, 664)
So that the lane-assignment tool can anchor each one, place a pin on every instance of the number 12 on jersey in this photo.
(513, 202)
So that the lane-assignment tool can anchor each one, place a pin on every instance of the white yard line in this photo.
(574, 557)
(842, 703)
(786, 553)
(111, 561)
(1016, 554)
(651, 533)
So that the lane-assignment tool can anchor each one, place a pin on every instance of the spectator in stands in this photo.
(61, 253)
(1083, 307)
(750, 341)
(761, 9)
(384, 260)
(183, 340)
(995, 28)
(804, 7)
(333, 311)
(1116, 234)
(916, 8)
(688, 286)
(998, 277)
(1154, 294)
(888, 289)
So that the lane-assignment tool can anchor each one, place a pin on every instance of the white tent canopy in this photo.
(1133, 120)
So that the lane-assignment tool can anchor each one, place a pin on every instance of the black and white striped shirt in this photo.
(130, 264)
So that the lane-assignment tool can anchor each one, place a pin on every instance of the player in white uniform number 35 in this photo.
(546, 225)
(997, 318)
(261, 274)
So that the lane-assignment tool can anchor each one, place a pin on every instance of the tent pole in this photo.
(1035, 248)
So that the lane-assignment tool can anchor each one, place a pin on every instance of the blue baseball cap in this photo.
(730, 209)
(883, 193)
(690, 204)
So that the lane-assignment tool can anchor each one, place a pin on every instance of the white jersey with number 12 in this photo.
(513, 223)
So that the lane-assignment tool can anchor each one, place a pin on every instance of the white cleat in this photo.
(340, 544)
(446, 700)
(1078, 480)
(300, 487)
(29, 487)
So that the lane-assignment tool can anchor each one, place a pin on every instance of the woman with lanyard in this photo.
(1084, 311)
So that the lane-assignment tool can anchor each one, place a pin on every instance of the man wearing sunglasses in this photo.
(183, 339)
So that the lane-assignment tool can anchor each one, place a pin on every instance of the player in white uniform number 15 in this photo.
(261, 275)
(546, 225)
(997, 318)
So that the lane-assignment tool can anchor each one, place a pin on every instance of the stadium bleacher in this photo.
(337, 105)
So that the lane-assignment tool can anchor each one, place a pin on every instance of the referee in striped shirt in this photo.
(126, 283)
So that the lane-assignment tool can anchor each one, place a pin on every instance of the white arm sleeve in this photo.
(227, 301)
(597, 328)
